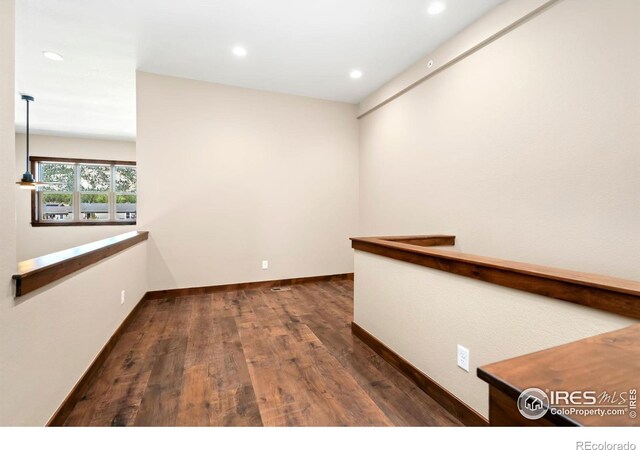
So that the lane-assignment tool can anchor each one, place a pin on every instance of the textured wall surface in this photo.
(528, 149)
(423, 314)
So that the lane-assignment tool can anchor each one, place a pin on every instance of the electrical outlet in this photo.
(463, 357)
(122, 297)
(265, 264)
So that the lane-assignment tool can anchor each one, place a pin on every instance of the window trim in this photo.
(35, 219)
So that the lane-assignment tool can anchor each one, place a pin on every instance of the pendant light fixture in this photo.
(27, 181)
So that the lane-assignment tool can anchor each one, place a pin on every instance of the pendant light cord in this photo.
(27, 177)
(27, 136)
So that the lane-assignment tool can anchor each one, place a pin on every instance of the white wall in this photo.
(38, 241)
(423, 314)
(528, 149)
(51, 336)
(230, 177)
(7, 191)
(496, 22)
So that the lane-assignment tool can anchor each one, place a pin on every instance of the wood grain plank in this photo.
(159, 405)
(275, 380)
(349, 399)
(201, 336)
(249, 358)
(119, 406)
(198, 399)
(310, 371)
(237, 400)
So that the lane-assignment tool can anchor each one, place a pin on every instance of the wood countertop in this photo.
(598, 366)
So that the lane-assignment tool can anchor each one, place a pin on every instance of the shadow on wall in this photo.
(161, 268)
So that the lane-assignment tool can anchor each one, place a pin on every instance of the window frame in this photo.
(115, 192)
(36, 197)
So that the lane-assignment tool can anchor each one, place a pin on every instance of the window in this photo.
(84, 192)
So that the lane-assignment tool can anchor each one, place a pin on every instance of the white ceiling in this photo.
(303, 47)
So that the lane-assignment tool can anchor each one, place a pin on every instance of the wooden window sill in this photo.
(81, 224)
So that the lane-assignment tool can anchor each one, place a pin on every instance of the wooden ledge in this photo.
(602, 292)
(608, 363)
(38, 272)
(432, 240)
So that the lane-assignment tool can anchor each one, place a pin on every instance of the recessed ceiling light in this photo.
(356, 74)
(239, 51)
(53, 56)
(436, 8)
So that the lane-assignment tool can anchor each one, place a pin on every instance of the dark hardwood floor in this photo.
(251, 358)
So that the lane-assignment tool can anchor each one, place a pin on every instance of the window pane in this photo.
(126, 207)
(125, 178)
(57, 206)
(94, 206)
(95, 178)
(61, 174)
